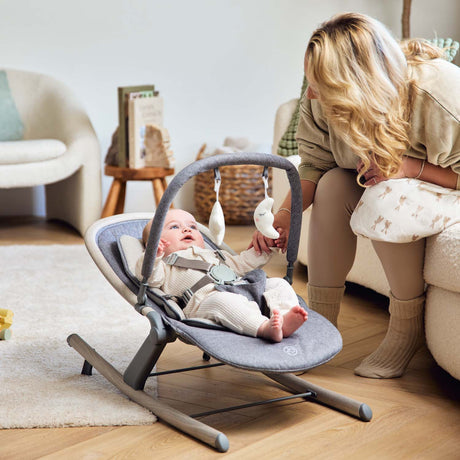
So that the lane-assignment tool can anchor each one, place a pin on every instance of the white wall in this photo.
(222, 66)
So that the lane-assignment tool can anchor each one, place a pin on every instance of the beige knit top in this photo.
(175, 280)
(434, 134)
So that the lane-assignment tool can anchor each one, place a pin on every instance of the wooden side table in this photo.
(115, 201)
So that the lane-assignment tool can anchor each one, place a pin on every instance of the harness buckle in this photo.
(187, 295)
(222, 274)
(171, 259)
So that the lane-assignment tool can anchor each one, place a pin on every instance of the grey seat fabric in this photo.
(314, 343)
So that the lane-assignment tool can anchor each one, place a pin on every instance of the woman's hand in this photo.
(261, 243)
(282, 240)
(372, 175)
(410, 167)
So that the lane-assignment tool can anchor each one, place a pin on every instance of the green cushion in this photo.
(450, 46)
(288, 145)
(11, 127)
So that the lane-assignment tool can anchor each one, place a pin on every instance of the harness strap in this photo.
(216, 274)
(188, 293)
(182, 262)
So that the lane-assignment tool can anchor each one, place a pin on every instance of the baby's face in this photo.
(180, 231)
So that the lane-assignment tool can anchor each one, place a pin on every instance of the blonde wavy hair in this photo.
(362, 76)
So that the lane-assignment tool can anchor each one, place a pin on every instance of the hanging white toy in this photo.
(216, 219)
(263, 216)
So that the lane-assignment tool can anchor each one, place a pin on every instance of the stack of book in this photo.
(142, 139)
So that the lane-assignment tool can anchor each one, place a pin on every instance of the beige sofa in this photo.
(442, 267)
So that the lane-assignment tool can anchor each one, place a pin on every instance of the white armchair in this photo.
(59, 149)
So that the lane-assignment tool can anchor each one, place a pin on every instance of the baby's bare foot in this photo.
(272, 329)
(293, 319)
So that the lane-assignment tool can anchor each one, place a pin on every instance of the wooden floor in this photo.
(415, 417)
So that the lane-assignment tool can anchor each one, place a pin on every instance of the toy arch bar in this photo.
(214, 162)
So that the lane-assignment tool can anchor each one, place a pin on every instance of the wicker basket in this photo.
(241, 190)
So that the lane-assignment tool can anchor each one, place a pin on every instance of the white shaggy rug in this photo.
(56, 290)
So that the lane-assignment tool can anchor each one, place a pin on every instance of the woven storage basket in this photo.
(241, 190)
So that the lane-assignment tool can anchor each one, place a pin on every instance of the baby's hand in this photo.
(162, 245)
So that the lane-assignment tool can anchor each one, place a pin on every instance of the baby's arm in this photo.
(247, 260)
(162, 245)
(158, 276)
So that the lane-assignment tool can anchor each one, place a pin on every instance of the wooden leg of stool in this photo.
(121, 199)
(158, 189)
(112, 198)
(165, 186)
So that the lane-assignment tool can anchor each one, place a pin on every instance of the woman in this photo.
(373, 110)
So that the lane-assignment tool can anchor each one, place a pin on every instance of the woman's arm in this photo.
(247, 260)
(428, 172)
(415, 169)
(308, 193)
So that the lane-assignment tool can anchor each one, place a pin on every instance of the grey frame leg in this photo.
(145, 359)
(327, 397)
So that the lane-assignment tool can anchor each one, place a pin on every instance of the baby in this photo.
(213, 302)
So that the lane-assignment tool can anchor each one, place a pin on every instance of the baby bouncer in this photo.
(114, 244)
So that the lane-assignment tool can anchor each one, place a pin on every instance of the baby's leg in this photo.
(241, 315)
(272, 329)
(280, 295)
(233, 311)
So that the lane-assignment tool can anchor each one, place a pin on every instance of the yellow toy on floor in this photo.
(6, 320)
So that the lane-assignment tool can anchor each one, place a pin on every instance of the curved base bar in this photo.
(164, 412)
(327, 397)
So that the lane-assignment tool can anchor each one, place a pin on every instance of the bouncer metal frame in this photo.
(132, 381)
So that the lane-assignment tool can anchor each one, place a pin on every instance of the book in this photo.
(142, 111)
(123, 99)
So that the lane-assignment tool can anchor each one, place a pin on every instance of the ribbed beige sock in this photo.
(404, 336)
(325, 301)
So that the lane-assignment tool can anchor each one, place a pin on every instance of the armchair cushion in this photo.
(11, 127)
(20, 152)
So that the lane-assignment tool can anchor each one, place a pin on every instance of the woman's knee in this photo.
(338, 188)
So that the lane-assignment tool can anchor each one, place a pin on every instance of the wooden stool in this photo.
(115, 201)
